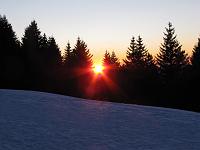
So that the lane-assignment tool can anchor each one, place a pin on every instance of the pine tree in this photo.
(130, 54)
(81, 68)
(114, 60)
(110, 60)
(54, 55)
(53, 65)
(194, 74)
(8, 41)
(31, 46)
(44, 43)
(10, 64)
(82, 56)
(32, 38)
(196, 56)
(136, 53)
(33, 56)
(44, 50)
(106, 59)
(171, 58)
(141, 51)
(68, 56)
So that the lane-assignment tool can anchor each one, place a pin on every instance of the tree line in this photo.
(170, 79)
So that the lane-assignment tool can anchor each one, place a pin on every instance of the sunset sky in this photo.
(107, 24)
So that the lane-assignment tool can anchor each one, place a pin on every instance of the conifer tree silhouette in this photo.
(82, 67)
(44, 47)
(54, 54)
(195, 59)
(82, 56)
(68, 57)
(136, 54)
(171, 58)
(172, 62)
(139, 70)
(106, 59)
(33, 55)
(114, 60)
(111, 60)
(130, 54)
(10, 65)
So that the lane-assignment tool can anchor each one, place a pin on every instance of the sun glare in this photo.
(98, 69)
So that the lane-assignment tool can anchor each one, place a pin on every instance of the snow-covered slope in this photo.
(42, 121)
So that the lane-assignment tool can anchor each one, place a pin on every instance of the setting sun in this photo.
(98, 69)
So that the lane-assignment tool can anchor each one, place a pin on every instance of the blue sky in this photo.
(107, 24)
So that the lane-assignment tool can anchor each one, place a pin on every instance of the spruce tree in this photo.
(82, 56)
(141, 53)
(136, 53)
(196, 56)
(194, 74)
(54, 62)
(31, 46)
(68, 56)
(32, 38)
(9, 43)
(130, 54)
(114, 60)
(81, 69)
(33, 55)
(44, 44)
(110, 60)
(54, 55)
(106, 59)
(171, 58)
(10, 57)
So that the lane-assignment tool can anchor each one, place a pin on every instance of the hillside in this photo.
(42, 121)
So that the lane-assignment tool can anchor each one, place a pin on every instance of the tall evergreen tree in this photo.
(106, 59)
(32, 38)
(33, 55)
(44, 44)
(44, 50)
(44, 41)
(196, 56)
(130, 54)
(171, 58)
(82, 68)
(68, 56)
(31, 44)
(114, 60)
(53, 63)
(110, 60)
(8, 40)
(54, 55)
(10, 65)
(136, 53)
(82, 56)
(194, 74)
(141, 51)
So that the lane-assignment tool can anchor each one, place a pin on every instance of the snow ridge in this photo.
(43, 121)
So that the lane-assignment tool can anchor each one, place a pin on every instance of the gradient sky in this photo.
(107, 24)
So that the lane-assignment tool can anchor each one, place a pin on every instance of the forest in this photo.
(169, 79)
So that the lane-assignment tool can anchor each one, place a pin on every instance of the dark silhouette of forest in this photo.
(170, 79)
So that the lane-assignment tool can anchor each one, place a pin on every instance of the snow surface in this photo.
(42, 121)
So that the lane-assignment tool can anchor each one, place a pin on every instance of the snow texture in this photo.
(42, 121)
